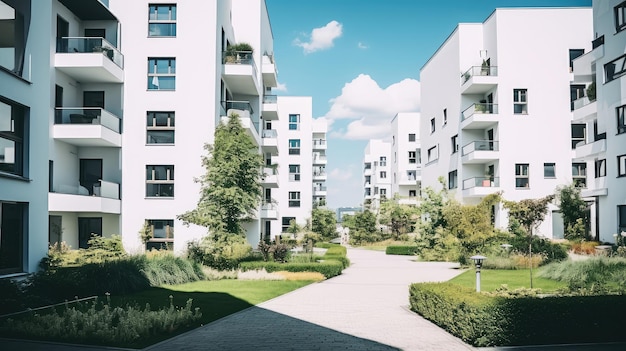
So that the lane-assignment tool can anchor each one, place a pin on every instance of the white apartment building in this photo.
(406, 166)
(496, 112)
(376, 173)
(599, 121)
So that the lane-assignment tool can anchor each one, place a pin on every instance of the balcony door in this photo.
(490, 138)
(490, 102)
(87, 226)
(93, 99)
(63, 31)
(90, 174)
(94, 45)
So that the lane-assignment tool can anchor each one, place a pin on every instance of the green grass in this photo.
(490, 279)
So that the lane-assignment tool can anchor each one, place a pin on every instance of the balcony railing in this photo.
(481, 182)
(82, 45)
(243, 106)
(480, 145)
(269, 205)
(480, 108)
(479, 71)
(581, 102)
(270, 99)
(101, 188)
(87, 115)
(320, 158)
(239, 58)
(319, 142)
(319, 188)
(319, 173)
(599, 41)
(269, 133)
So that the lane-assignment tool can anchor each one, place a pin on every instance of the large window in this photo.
(12, 233)
(600, 168)
(579, 174)
(12, 37)
(432, 154)
(621, 119)
(573, 54)
(615, 68)
(454, 143)
(620, 16)
(294, 122)
(162, 20)
(294, 146)
(160, 128)
(294, 199)
(520, 101)
(286, 222)
(383, 161)
(411, 136)
(294, 173)
(12, 135)
(161, 234)
(621, 220)
(549, 170)
(452, 179)
(621, 166)
(521, 175)
(161, 73)
(160, 181)
(412, 157)
(579, 132)
(383, 175)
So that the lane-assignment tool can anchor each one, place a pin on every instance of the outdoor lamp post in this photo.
(478, 262)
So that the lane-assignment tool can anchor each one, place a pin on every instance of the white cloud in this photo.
(340, 174)
(280, 87)
(362, 46)
(371, 107)
(321, 38)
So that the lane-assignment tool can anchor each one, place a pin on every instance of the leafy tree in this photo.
(324, 223)
(362, 227)
(574, 212)
(432, 218)
(294, 228)
(230, 188)
(400, 219)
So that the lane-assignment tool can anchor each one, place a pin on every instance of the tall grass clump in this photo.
(168, 269)
(595, 273)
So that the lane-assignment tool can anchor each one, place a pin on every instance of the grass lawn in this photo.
(216, 299)
(490, 279)
(382, 245)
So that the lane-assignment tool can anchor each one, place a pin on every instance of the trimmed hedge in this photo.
(408, 250)
(329, 268)
(322, 245)
(483, 320)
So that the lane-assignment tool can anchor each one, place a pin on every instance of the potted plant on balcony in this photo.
(480, 107)
(484, 68)
(591, 91)
(233, 52)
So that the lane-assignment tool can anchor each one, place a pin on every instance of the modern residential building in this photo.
(496, 107)
(406, 165)
(599, 122)
(376, 173)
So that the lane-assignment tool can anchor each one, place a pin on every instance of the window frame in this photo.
(153, 180)
(432, 154)
(155, 127)
(576, 140)
(295, 123)
(621, 165)
(412, 137)
(295, 175)
(154, 20)
(413, 159)
(619, 13)
(520, 99)
(285, 226)
(520, 175)
(545, 170)
(620, 113)
(611, 76)
(383, 175)
(294, 198)
(294, 146)
(600, 168)
(166, 242)
(16, 249)
(432, 125)
(155, 76)
(453, 181)
(383, 161)
(580, 168)
(17, 135)
(454, 143)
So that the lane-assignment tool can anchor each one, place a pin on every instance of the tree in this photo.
(362, 227)
(400, 219)
(574, 211)
(324, 223)
(431, 209)
(529, 213)
(230, 188)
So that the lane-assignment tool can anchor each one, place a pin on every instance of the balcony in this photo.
(104, 198)
(249, 121)
(584, 109)
(89, 60)
(479, 79)
(583, 64)
(319, 144)
(412, 200)
(410, 179)
(319, 175)
(270, 177)
(270, 141)
(319, 190)
(591, 149)
(240, 72)
(480, 186)
(319, 159)
(270, 107)
(269, 210)
(268, 69)
(481, 151)
(596, 187)
(480, 116)
(87, 126)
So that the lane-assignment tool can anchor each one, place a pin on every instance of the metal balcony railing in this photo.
(481, 182)
(480, 108)
(87, 115)
(82, 45)
(480, 145)
(478, 71)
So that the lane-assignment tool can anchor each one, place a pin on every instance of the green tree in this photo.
(431, 209)
(399, 218)
(574, 211)
(230, 188)
(362, 227)
(324, 223)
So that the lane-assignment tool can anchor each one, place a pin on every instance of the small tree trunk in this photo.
(530, 259)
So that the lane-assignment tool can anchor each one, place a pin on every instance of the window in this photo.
(600, 168)
(159, 181)
(161, 73)
(432, 125)
(161, 234)
(411, 137)
(520, 102)
(620, 16)
(573, 54)
(368, 191)
(549, 170)
(12, 231)
(286, 223)
(294, 146)
(579, 174)
(454, 143)
(383, 175)
(412, 157)
(621, 220)
(12, 135)
(383, 161)
(383, 193)
(521, 175)
(294, 199)
(12, 37)
(621, 165)
(576, 91)
(294, 122)
(160, 128)
(445, 116)
(621, 119)
(412, 193)
(579, 132)
(615, 68)
(452, 180)
(432, 154)
(162, 20)
(294, 173)
(411, 175)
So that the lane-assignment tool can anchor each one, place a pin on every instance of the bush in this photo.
(584, 247)
(483, 320)
(590, 274)
(11, 293)
(100, 250)
(169, 269)
(329, 268)
(325, 245)
(223, 254)
(551, 251)
(409, 250)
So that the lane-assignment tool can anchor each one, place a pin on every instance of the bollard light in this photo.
(478, 262)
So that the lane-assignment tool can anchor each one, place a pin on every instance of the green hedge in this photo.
(329, 268)
(483, 320)
(408, 250)
(322, 245)
(337, 250)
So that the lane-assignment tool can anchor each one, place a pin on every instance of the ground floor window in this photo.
(286, 222)
(162, 234)
(88, 227)
(13, 218)
(621, 214)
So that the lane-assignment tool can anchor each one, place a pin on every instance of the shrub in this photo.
(499, 262)
(593, 273)
(329, 268)
(169, 269)
(280, 252)
(11, 293)
(551, 251)
(325, 245)
(584, 247)
(222, 254)
(409, 250)
(337, 250)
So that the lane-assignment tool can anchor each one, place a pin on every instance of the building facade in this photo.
(406, 166)
(496, 107)
(376, 173)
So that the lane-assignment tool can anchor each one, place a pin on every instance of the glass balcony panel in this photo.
(81, 45)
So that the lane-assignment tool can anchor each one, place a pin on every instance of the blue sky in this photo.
(360, 61)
